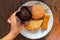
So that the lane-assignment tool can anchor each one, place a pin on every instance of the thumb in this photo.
(9, 20)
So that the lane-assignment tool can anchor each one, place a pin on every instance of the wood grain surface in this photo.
(7, 7)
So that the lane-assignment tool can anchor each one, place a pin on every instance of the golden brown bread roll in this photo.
(37, 11)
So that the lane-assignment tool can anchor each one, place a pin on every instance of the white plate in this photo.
(39, 33)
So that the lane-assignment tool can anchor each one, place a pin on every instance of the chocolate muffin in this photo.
(24, 14)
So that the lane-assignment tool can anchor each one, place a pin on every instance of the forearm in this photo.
(10, 36)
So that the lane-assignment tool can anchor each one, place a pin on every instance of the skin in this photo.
(15, 28)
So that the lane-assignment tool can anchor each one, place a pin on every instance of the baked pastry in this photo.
(37, 11)
(45, 22)
(33, 25)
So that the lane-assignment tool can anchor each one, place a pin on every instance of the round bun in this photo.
(33, 25)
(37, 11)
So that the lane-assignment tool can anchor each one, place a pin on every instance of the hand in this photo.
(15, 25)
(15, 28)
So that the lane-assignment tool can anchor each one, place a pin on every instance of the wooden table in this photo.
(7, 7)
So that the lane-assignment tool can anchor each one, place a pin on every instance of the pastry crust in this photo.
(45, 21)
(33, 25)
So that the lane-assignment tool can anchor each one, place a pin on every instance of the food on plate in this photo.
(45, 21)
(24, 14)
(35, 16)
(33, 25)
(37, 11)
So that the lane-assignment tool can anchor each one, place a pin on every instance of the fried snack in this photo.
(45, 21)
(33, 25)
(37, 11)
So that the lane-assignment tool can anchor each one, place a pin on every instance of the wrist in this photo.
(14, 32)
